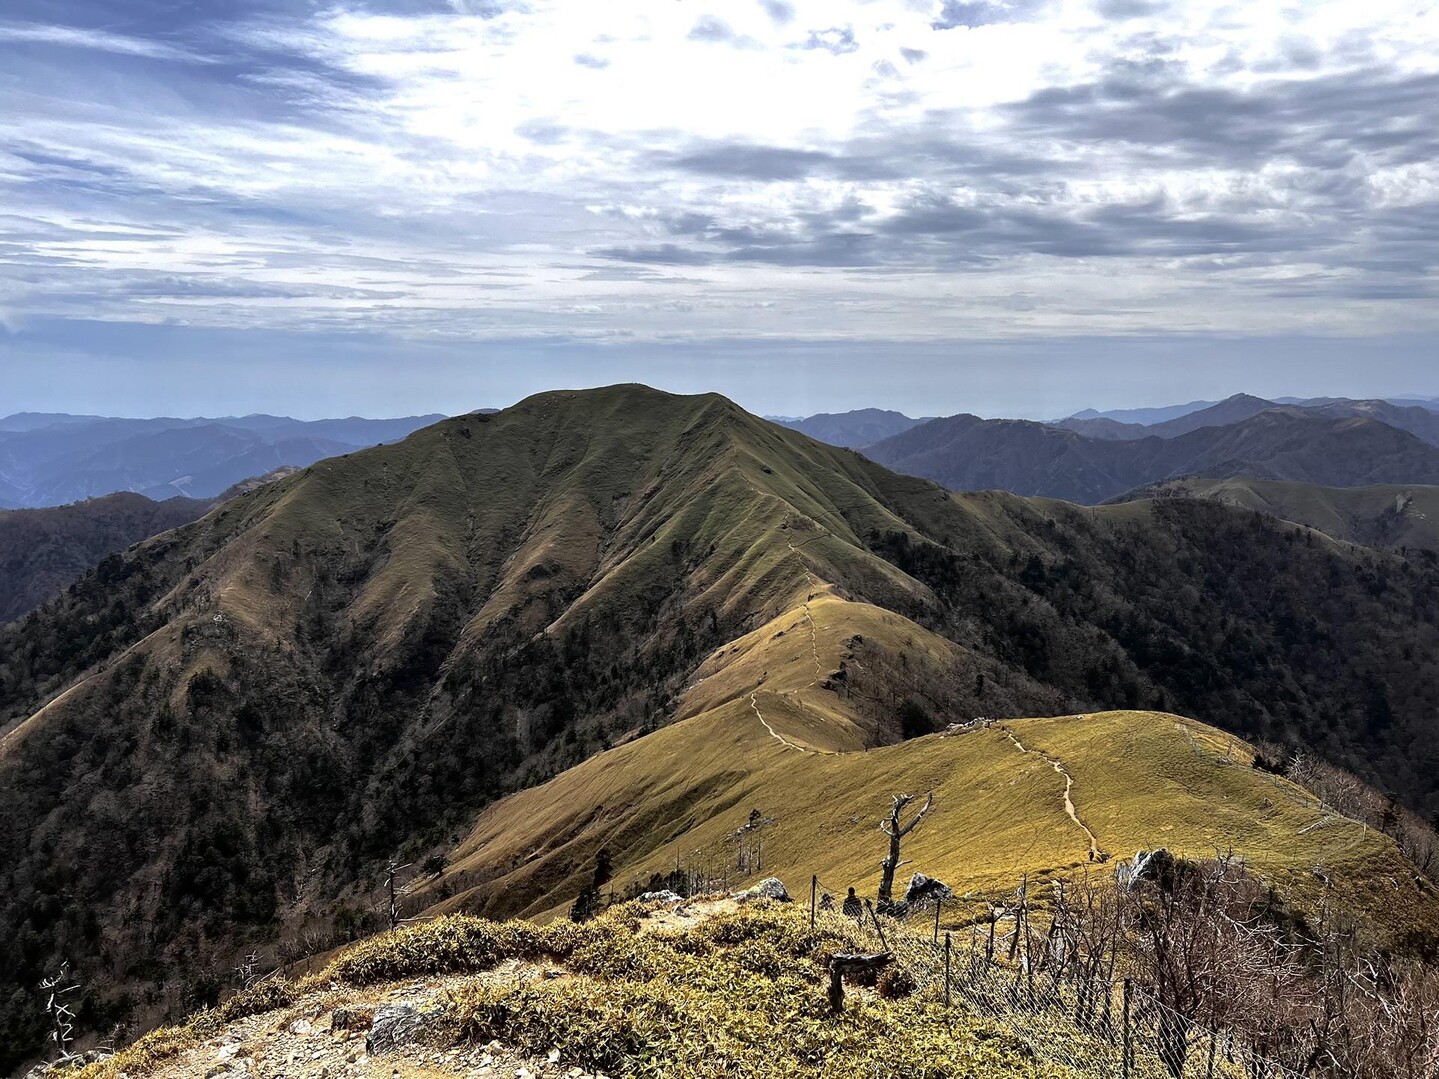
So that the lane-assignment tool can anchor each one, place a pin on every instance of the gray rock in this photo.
(769, 888)
(1146, 864)
(925, 891)
(665, 896)
(396, 1025)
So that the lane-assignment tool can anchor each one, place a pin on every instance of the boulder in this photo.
(397, 1024)
(665, 896)
(925, 891)
(1145, 865)
(769, 888)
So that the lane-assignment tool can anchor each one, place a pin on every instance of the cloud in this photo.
(837, 40)
(778, 10)
(1325, 122)
(1120, 10)
(70, 37)
(713, 29)
(766, 163)
(476, 171)
(658, 254)
(975, 13)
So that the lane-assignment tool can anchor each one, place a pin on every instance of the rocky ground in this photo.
(376, 1033)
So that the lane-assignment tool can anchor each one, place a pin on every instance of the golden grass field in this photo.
(1140, 780)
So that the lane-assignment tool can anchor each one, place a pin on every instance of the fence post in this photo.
(946, 969)
(937, 904)
(813, 897)
(1023, 901)
(877, 927)
(1128, 1053)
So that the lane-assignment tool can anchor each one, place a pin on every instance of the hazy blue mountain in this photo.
(966, 453)
(1142, 416)
(862, 427)
(56, 459)
(1231, 410)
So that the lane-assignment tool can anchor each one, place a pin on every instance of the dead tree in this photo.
(393, 870)
(897, 830)
(62, 1017)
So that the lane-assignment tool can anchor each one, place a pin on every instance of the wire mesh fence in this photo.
(999, 958)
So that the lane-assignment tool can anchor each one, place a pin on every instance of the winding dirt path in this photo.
(809, 616)
(811, 585)
(1058, 766)
(781, 739)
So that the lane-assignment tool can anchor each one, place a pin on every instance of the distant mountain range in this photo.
(1418, 420)
(1151, 416)
(1093, 456)
(50, 459)
(862, 427)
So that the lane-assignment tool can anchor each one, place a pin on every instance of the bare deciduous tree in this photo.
(62, 1017)
(897, 830)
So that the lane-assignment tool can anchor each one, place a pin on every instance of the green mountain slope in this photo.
(211, 740)
(1385, 515)
(42, 551)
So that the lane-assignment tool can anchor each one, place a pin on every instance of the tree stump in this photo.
(843, 963)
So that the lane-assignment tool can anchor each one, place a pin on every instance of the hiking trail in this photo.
(1058, 766)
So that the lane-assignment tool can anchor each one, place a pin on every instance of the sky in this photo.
(1008, 207)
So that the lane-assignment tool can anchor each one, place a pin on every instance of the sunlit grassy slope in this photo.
(1140, 780)
(711, 989)
(593, 492)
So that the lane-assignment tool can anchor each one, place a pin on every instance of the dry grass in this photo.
(1140, 780)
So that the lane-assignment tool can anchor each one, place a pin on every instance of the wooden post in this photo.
(877, 927)
(813, 897)
(843, 963)
(1018, 914)
(390, 881)
(937, 904)
(946, 968)
(1028, 955)
(1128, 1053)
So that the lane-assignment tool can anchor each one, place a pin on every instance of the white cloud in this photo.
(412, 155)
(96, 40)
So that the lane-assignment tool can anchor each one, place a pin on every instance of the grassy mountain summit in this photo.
(223, 734)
